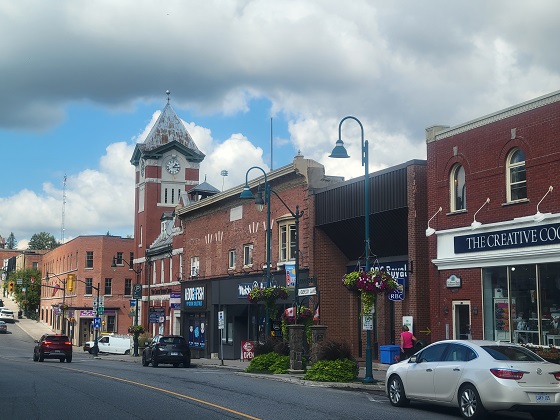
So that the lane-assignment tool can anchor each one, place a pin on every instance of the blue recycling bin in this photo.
(390, 354)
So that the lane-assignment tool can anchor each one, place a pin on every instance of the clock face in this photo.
(173, 166)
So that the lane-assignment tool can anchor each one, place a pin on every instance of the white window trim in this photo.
(509, 167)
(453, 189)
(231, 259)
(247, 263)
(285, 223)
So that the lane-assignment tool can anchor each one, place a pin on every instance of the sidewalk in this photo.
(35, 329)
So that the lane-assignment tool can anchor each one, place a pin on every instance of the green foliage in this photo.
(332, 371)
(267, 347)
(30, 300)
(143, 339)
(42, 240)
(269, 363)
(332, 350)
(11, 242)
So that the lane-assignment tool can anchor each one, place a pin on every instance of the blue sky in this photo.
(81, 82)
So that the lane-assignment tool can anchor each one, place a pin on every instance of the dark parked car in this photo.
(53, 346)
(172, 349)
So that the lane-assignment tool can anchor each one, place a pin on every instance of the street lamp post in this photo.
(135, 295)
(246, 194)
(339, 151)
(63, 326)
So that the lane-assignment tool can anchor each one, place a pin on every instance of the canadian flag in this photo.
(290, 312)
(316, 314)
(55, 289)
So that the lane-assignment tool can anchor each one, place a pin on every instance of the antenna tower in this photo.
(63, 209)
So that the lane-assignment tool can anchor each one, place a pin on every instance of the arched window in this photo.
(458, 189)
(515, 176)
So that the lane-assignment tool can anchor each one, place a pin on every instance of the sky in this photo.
(255, 82)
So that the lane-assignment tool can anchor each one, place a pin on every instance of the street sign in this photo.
(367, 322)
(95, 301)
(137, 291)
(97, 323)
(307, 291)
(100, 310)
(19, 281)
(221, 320)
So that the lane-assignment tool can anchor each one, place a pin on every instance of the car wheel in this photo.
(69, 359)
(545, 415)
(61, 360)
(90, 351)
(145, 362)
(35, 357)
(397, 397)
(187, 363)
(154, 361)
(41, 357)
(470, 404)
(127, 352)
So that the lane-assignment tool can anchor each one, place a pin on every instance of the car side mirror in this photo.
(413, 359)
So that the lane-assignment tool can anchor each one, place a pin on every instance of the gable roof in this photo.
(168, 132)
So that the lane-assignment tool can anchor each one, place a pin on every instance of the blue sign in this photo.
(96, 322)
(508, 239)
(399, 271)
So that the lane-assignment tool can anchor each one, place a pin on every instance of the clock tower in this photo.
(167, 165)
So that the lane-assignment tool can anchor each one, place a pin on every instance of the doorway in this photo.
(462, 320)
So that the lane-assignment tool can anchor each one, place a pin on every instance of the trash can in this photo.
(390, 354)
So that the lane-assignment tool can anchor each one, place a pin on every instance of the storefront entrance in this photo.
(461, 320)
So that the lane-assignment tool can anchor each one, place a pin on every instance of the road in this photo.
(108, 389)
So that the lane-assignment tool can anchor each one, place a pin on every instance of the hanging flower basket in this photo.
(136, 329)
(304, 315)
(268, 295)
(369, 284)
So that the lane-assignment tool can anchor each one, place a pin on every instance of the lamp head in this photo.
(246, 193)
(430, 231)
(259, 201)
(339, 150)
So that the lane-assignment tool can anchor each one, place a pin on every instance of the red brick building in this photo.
(225, 255)
(494, 265)
(89, 259)
(167, 167)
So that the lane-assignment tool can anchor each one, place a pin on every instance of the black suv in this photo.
(172, 349)
(53, 346)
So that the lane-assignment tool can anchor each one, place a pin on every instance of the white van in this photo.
(110, 344)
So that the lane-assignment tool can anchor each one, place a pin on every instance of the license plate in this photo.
(174, 353)
(543, 398)
(56, 351)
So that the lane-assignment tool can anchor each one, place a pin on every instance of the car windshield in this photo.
(56, 338)
(514, 353)
(172, 340)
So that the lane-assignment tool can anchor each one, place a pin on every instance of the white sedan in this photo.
(477, 377)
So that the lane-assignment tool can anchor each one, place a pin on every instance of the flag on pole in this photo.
(316, 314)
(290, 312)
(55, 289)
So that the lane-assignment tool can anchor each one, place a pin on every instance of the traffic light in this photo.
(70, 280)
(11, 287)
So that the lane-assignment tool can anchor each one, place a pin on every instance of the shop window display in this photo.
(522, 303)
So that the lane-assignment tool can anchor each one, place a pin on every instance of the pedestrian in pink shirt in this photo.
(407, 343)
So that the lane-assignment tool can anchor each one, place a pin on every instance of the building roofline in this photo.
(439, 132)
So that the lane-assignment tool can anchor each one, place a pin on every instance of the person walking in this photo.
(407, 343)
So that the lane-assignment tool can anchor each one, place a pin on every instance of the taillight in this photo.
(47, 342)
(68, 343)
(556, 375)
(507, 373)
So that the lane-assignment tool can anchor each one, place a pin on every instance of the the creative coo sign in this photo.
(507, 239)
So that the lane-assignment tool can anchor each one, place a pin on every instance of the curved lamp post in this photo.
(137, 287)
(246, 194)
(339, 151)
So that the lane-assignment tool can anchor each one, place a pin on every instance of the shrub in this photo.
(332, 350)
(266, 347)
(269, 363)
(332, 371)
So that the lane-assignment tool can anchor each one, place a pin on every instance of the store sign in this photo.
(243, 289)
(508, 239)
(453, 281)
(174, 300)
(399, 271)
(194, 296)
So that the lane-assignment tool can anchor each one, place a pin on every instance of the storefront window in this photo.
(531, 311)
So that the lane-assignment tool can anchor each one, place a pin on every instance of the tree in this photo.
(42, 240)
(11, 242)
(29, 299)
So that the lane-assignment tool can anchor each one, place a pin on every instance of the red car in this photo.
(53, 346)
